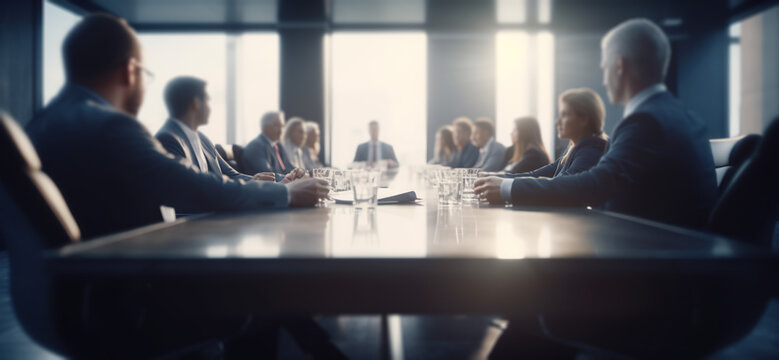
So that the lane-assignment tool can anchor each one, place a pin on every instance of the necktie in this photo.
(278, 157)
(375, 152)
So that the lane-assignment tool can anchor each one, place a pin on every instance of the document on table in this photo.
(386, 196)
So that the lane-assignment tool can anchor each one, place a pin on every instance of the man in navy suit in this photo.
(491, 152)
(659, 164)
(467, 154)
(374, 150)
(265, 153)
(188, 108)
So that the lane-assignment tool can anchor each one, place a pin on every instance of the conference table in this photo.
(420, 258)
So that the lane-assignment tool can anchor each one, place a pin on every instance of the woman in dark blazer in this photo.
(581, 122)
(528, 147)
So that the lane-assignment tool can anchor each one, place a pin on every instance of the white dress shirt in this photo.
(630, 108)
(295, 154)
(194, 139)
(483, 152)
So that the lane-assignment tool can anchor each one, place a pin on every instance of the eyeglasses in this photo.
(147, 74)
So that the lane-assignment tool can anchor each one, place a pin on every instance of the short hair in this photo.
(464, 124)
(294, 121)
(268, 118)
(485, 124)
(180, 92)
(643, 45)
(373, 122)
(98, 44)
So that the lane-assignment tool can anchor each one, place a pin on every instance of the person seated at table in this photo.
(529, 152)
(580, 121)
(466, 154)
(444, 147)
(293, 139)
(374, 150)
(491, 152)
(188, 108)
(115, 176)
(265, 153)
(659, 166)
(311, 149)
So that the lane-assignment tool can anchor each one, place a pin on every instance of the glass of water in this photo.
(469, 177)
(450, 187)
(325, 174)
(365, 185)
(341, 180)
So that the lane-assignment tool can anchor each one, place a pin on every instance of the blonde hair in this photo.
(588, 104)
(529, 136)
(292, 123)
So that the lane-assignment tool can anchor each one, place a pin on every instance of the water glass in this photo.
(365, 186)
(469, 177)
(325, 174)
(450, 187)
(341, 180)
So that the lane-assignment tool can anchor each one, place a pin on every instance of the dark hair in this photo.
(180, 92)
(464, 124)
(98, 44)
(485, 124)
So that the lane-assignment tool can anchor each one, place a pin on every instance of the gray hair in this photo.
(269, 117)
(643, 45)
(312, 125)
(294, 121)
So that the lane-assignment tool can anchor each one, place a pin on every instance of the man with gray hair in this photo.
(265, 153)
(659, 166)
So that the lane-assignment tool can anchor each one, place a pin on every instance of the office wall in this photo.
(460, 78)
(19, 46)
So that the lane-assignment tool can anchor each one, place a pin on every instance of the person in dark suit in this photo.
(188, 108)
(374, 150)
(581, 119)
(265, 153)
(528, 146)
(467, 154)
(491, 152)
(115, 176)
(659, 166)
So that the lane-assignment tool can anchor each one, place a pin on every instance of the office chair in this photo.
(35, 218)
(238, 155)
(748, 207)
(729, 153)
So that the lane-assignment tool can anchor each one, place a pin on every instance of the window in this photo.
(525, 83)
(57, 22)
(383, 77)
(734, 80)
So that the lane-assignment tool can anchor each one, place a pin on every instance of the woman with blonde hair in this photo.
(580, 121)
(528, 147)
(444, 147)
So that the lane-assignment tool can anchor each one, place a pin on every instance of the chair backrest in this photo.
(35, 218)
(720, 150)
(237, 155)
(748, 207)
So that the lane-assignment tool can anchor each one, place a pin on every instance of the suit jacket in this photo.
(176, 142)
(114, 175)
(658, 166)
(532, 159)
(259, 156)
(493, 161)
(583, 156)
(363, 150)
(465, 158)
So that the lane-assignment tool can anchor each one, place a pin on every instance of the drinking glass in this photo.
(365, 185)
(469, 177)
(325, 174)
(341, 180)
(450, 187)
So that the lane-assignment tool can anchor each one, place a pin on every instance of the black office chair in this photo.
(238, 155)
(35, 218)
(748, 207)
(729, 154)
(227, 155)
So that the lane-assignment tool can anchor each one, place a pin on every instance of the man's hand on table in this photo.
(307, 192)
(293, 175)
(489, 188)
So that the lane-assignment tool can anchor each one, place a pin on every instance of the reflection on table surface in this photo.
(422, 230)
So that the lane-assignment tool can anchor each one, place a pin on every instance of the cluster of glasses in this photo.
(455, 186)
(363, 183)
